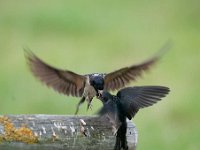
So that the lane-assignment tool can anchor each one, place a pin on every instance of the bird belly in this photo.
(89, 92)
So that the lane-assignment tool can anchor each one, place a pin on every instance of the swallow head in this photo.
(97, 81)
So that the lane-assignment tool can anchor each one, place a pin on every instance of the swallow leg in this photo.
(79, 104)
(89, 104)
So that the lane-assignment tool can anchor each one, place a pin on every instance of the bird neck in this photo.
(106, 96)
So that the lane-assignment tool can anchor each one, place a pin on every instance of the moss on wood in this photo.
(11, 133)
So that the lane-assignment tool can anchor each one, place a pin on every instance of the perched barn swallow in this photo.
(126, 104)
(86, 86)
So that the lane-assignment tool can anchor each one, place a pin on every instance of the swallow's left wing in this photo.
(120, 78)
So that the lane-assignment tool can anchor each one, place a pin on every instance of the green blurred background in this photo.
(101, 36)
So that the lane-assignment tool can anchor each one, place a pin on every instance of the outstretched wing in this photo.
(119, 78)
(134, 98)
(65, 82)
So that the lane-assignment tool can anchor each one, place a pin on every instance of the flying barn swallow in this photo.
(86, 86)
(126, 104)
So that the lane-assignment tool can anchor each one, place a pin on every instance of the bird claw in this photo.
(79, 104)
(89, 106)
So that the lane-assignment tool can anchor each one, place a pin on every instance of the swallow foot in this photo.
(89, 106)
(79, 104)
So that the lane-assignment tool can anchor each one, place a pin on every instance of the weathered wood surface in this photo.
(51, 132)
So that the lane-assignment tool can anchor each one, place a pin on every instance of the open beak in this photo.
(99, 95)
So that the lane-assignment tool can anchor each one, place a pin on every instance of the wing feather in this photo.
(134, 98)
(62, 81)
(131, 73)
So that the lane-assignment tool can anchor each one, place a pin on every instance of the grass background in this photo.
(101, 36)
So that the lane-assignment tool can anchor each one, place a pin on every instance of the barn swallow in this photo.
(125, 104)
(86, 86)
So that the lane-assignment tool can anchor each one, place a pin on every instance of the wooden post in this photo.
(50, 132)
